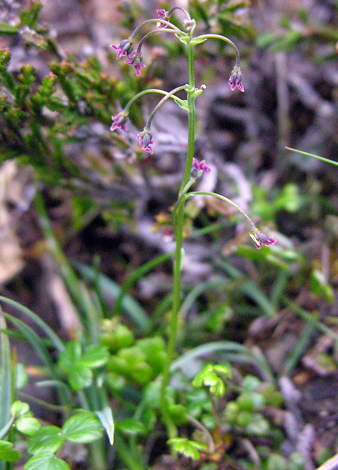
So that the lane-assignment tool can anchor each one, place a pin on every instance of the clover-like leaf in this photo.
(8, 453)
(95, 356)
(188, 448)
(45, 461)
(82, 428)
(47, 439)
(70, 356)
(80, 377)
(28, 425)
(130, 426)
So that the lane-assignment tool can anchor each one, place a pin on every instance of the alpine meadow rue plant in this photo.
(193, 168)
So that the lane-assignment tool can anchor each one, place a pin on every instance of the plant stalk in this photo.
(178, 230)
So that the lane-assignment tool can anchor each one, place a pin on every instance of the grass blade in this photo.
(56, 341)
(34, 340)
(6, 377)
(111, 289)
(326, 160)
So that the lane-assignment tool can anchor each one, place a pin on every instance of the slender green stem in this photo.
(178, 228)
(171, 11)
(146, 36)
(154, 20)
(204, 431)
(225, 199)
(138, 95)
(222, 38)
(163, 100)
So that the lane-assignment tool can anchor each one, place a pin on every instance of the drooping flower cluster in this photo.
(134, 58)
(235, 79)
(145, 141)
(261, 239)
(199, 168)
(119, 122)
(126, 48)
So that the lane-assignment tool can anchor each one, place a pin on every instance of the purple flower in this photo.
(200, 166)
(119, 122)
(124, 48)
(145, 141)
(161, 14)
(236, 79)
(261, 239)
(136, 61)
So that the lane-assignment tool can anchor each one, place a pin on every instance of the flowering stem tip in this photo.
(235, 79)
(145, 141)
(119, 122)
(199, 168)
(261, 239)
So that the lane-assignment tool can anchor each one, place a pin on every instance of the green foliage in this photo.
(78, 364)
(212, 377)
(45, 461)
(141, 362)
(83, 427)
(187, 447)
(8, 453)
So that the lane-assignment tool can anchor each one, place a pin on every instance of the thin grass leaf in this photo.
(138, 274)
(6, 388)
(279, 287)
(311, 319)
(34, 340)
(6, 428)
(6, 377)
(255, 293)
(56, 341)
(71, 280)
(326, 160)
(298, 350)
(230, 351)
(197, 291)
(250, 288)
(111, 289)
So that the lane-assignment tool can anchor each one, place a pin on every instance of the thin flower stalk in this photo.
(255, 234)
(170, 94)
(235, 79)
(178, 231)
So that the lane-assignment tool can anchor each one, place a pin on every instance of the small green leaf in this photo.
(70, 356)
(82, 428)
(181, 103)
(28, 425)
(208, 377)
(21, 376)
(130, 426)
(188, 448)
(45, 461)
(320, 286)
(7, 453)
(107, 421)
(19, 408)
(47, 439)
(81, 377)
(95, 356)
(198, 40)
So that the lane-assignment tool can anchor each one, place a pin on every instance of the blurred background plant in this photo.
(91, 255)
